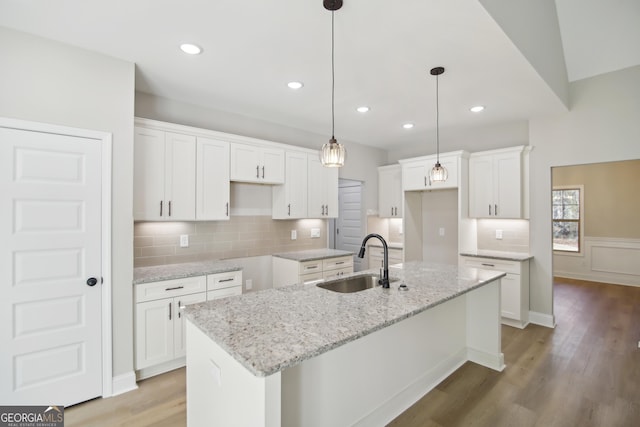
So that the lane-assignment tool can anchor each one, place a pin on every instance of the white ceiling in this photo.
(384, 51)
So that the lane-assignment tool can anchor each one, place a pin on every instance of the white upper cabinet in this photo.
(253, 163)
(164, 175)
(415, 172)
(290, 199)
(322, 189)
(496, 183)
(390, 191)
(212, 179)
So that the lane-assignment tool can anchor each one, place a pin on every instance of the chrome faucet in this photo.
(384, 279)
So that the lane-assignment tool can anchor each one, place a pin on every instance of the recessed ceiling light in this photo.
(295, 85)
(363, 109)
(191, 49)
(407, 125)
(477, 108)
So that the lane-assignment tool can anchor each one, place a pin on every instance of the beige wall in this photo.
(45, 81)
(611, 196)
(157, 243)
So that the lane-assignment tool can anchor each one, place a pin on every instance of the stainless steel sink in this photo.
(353, 284)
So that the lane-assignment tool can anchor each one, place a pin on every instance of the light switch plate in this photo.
(294, 234)
(184, 240)
(315, 233)
(499, 234)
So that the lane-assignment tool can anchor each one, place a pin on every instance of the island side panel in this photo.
(371, 380)
(221, 392)
(484, 330)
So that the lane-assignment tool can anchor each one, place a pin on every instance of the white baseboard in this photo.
(542, 319)
(161, 368)
(123, 383)
(414, 392)
(489, 360)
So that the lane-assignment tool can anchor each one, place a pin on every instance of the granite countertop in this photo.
(180, 271)
(312, 254)
(271, 330)
(507, 256)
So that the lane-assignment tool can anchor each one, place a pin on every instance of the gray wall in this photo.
(45, 81)
(602, 125)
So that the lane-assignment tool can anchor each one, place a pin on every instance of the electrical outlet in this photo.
(441, 231)
(184, 240)
(248, 284)
(499, 234)
(294, 234)
(315, 233)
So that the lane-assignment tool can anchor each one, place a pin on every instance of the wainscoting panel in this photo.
(610, 260)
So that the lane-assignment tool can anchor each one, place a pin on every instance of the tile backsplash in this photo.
(515, 235)
(157, 243)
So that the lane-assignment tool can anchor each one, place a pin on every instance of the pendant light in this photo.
(438, 172)
(333, 153)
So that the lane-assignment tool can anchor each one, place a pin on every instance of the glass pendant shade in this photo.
(333, 154)
(438, 173)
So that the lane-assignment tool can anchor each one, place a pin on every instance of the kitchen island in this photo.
(305, 356)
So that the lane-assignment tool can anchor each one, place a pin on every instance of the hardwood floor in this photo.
(585, 372)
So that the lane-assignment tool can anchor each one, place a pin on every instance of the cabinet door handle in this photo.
(263, 172)
(425, 180)
(489, 210)
(169, 311)
(227, 211)
(257, 171)
(488, 265)
(160, 207)
(495, 210)
(289, 209)
(169, 207)
(392, 211)
(174, 288)
(180, 307)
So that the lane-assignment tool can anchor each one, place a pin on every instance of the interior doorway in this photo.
(346, 231)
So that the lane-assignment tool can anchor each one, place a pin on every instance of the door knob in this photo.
(92, 281)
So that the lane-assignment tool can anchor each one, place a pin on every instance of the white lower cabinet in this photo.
(159, 317)
(515, 287)
(289, 272)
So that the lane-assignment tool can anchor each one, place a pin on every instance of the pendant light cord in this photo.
(333, 82)
(437, 123)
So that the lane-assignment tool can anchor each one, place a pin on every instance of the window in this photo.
(566, 219)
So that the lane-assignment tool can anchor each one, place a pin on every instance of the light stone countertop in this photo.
(274, 329)
(180, 271)
(507, 256)
(312, 254)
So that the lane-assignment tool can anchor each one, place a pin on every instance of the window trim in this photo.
(580, 252)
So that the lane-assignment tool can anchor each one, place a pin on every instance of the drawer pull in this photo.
(488, 265)
(339, 262)
(310, 267)
(174, 288)
(231, 279)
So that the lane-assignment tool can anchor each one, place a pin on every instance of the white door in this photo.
(50, 234)
(348, 233)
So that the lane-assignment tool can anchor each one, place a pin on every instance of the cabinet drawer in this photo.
(170, 288)
(311, 277)
(223, 293)
(337, 263)
(493, 264)
(224, 280)
(334, 274)
(307, 267)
